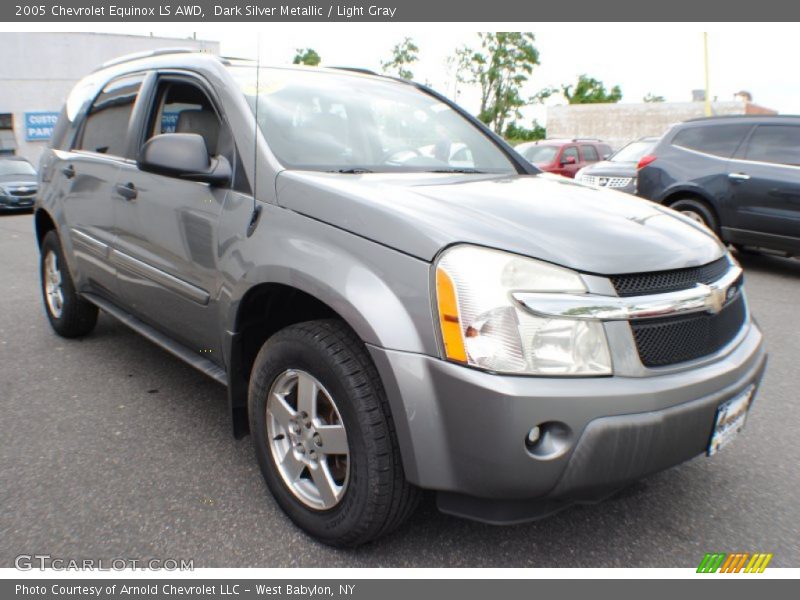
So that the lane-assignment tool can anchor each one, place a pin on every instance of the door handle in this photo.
(126, 190)
(738, 176)
(68, 171)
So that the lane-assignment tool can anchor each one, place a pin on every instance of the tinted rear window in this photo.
(106, 126)
(779, 144)
(719, 140)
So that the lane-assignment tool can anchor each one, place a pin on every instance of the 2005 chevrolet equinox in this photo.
(395, 299)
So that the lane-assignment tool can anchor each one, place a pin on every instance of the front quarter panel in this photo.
(381, 293)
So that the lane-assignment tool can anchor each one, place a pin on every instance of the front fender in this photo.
(381, 293)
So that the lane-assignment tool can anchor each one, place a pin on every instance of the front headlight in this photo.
(483, 326)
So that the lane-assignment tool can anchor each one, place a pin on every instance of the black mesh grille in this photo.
(659, 282)
(673, 340)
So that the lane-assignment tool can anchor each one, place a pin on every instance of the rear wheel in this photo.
(68, 313)
(698, 212)
(324, 436)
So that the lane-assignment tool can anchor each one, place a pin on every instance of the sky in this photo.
(664, 59)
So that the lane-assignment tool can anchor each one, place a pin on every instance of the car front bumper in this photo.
(462, 431)
(8, 202)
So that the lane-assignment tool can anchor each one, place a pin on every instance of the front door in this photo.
(167, 227)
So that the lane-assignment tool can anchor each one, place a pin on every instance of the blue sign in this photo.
(39, 126)
(169, 122)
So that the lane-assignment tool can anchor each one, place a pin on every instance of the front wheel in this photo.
(324, 436)
(68, 313)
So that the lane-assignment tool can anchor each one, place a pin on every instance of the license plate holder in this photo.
(729, 420)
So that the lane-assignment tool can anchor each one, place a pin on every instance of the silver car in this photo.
(394, 299)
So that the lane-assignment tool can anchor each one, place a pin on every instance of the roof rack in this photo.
(357, 70)
(145, 54)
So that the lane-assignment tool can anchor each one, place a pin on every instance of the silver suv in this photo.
(394, 298)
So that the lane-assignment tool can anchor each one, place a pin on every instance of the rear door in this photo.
(765, 182)
(167, 227)
(589, 154)
(87, 173)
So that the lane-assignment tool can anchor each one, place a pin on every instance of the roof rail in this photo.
(357, 70)
(586, 140)
(146, 54)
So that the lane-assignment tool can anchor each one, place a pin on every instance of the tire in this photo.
(70, 315)
(698, 211)
(369, 496)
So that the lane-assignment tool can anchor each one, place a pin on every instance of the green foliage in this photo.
(306, 56)
(404, 54)
(500, 67)
(516, 134)
(653, 98)
(589, 90)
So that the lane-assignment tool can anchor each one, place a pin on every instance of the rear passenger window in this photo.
(719, 140)
(589, 154)
(106, 127)
(779, 144)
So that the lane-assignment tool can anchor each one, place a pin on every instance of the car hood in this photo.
(550, 218)
(18, 180)
(608, 168)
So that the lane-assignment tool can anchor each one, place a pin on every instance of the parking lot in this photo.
(110, 447)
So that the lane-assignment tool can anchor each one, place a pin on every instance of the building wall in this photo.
(38, 70)
(618, 124)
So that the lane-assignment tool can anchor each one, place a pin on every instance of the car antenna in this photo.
(251, 227)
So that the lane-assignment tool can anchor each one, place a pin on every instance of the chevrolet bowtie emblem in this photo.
(717, 297)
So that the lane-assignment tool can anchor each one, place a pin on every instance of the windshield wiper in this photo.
(351, 171)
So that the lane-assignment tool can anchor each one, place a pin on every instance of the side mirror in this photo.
(185, 156)
(607, 155)
(568, 160)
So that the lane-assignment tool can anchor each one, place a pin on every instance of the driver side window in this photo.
(182, 107)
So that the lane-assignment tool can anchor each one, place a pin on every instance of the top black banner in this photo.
(261, 11)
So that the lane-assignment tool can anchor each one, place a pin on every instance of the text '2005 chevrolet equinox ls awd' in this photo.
(387, 318)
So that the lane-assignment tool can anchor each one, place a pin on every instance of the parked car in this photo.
(385, 321)
(564, 157)
(619, 170)
(739, 176)
(17, 184)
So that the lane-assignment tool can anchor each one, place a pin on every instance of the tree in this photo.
(306, 56)
(500, 67)
(653, 98)
(589, 90)
(404, 55)
(519, 133)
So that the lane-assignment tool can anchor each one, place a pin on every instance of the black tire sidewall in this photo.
(284, 353)
(52, 244)
(700, 209)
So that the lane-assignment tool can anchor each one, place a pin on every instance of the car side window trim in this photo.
(77, 138)
(144, 120)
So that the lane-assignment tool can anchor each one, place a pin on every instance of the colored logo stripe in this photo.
(734, 563)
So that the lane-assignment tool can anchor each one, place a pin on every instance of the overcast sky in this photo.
(663, 59)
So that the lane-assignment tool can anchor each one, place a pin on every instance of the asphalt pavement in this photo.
(110, 447)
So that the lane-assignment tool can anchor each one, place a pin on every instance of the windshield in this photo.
(16, 167)
(316, 120)
(632, 152)
(540, 154)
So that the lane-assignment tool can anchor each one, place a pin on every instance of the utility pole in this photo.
(705, 66)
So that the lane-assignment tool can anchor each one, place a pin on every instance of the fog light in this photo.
(533, 436)
(548, 440)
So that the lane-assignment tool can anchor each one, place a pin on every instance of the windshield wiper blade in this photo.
(352, 171)
(456, 170)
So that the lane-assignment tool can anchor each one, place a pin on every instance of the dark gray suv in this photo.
(389, 315)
